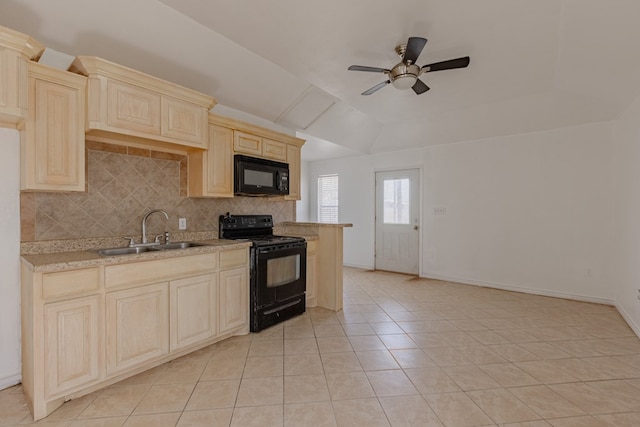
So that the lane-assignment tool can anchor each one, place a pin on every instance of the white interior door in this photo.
(397, 220)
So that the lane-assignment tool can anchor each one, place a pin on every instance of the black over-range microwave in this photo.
(260, 177)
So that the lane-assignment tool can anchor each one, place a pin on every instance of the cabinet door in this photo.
(311, 280)
(234, 299)
(137, 326)
(246, 143)
(184, 121)
(293, 158)
(220, 162)
(194, 310)
(274, 150)
(133, 108)
(53, 149)
(72, 344)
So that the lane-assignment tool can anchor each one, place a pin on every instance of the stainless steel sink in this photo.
(123, 251)
(177, 245)
(140, 249)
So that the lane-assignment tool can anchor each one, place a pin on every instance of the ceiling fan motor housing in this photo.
(404, 76)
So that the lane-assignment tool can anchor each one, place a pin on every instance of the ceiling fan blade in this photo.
(446, 65)
(376, 87)
(419, 87)
(370, 69)
(413, 50)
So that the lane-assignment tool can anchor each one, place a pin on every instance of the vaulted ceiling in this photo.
(535, 64)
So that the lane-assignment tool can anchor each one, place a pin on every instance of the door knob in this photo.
(415, 227)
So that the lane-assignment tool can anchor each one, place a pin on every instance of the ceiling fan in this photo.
(404, 75)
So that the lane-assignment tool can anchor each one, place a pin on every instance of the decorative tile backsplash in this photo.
(122, 185)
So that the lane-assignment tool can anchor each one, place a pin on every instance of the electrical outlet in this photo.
(182, 223)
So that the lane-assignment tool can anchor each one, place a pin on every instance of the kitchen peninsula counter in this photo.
(329, 241)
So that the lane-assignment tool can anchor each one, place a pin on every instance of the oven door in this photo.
(281, 272)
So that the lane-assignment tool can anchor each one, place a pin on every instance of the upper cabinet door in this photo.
(53, 149)
(274, 150)
(133, 108)
(293, 158)
(247, 143)
(184, 121)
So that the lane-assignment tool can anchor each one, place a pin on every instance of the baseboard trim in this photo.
(633, 325)
(541, 292)
(10, 381)
(362, 267)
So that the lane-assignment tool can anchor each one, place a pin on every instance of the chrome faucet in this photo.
(144, 223)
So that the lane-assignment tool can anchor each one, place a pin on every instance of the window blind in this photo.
(328, 198)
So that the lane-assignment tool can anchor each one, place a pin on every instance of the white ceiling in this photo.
(535, 64)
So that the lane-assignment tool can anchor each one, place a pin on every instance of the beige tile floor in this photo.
(404, 352)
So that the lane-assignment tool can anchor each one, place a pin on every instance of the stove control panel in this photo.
(243, 222)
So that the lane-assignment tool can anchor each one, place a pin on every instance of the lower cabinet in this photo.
(71, 344)
(137, 326)
(234, 299)
(311, 298)
(90, 327)
(194, 310)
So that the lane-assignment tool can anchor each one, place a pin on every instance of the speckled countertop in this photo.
(58, 261)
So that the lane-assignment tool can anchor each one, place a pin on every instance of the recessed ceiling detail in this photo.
(306, 109)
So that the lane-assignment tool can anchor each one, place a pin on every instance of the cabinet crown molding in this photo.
(254, 129)
(23, 43)
(93, 66)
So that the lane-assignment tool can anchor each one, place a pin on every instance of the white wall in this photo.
(624, 249)
(525, 212)
(9, 258)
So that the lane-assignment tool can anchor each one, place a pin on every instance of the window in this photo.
(396, 201)
(328, 198)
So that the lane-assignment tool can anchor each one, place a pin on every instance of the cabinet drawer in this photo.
(65, 283)
(146, 272)
(234, 258)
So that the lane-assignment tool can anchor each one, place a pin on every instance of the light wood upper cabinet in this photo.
(274, 150)
(71, 344)
(183, 120)
(16, 49)
(132, 108)
(246, 143)
(211, 171)
(123, 103)
(211, 174)
(52, 146)
(293, 158)
(257, 146)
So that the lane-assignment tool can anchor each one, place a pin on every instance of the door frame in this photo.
(420, 168)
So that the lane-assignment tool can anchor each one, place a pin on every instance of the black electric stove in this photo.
(278, 268)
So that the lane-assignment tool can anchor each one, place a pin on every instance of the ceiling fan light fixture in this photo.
(404, 82)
